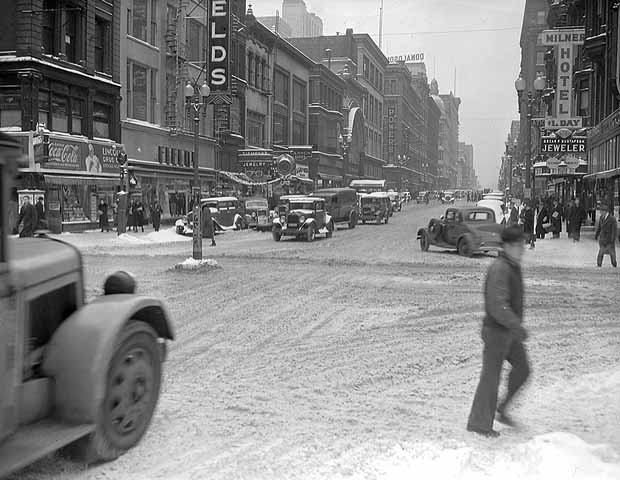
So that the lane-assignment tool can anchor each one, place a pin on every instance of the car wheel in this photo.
(310, 233)
(277, 235)
(425, 241)
(465, 246)
(330, 230)
(131, 394)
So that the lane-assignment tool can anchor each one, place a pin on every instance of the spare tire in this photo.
(434, 229)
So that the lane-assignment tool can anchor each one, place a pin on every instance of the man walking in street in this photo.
(207, 225)
(156, 212)
(503, 335)
(27, 216)
(606, 234)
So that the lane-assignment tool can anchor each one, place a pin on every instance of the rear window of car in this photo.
(479, 217)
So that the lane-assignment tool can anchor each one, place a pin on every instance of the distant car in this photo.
(422, 197)
(257, 214)
(395, 200)
(341, 204)
(225, 213)
(303, 217)
(448, 197)
(375, 207)
(468, 230)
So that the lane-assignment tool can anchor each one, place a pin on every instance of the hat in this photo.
(512, 234)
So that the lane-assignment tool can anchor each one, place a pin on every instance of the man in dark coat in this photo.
(102, 211)
(156, 212)
(575, 218)
(27, 215)
(556, 219)
(41, 223)
(543, 217)
(208, 229)
(606, 234)
(503, 335)
(527, 218)
(514, 214)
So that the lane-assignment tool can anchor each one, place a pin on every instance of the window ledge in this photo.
(142, 42)
(107, 76)
(64, 63)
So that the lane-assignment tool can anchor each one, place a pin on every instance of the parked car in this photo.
(84, 375)
(395, 200)
(375, 207)
(341, 204)
(422, 197)
(468, 230)
(303, 217)
(257, 214)
(225, 213)
(497, 206)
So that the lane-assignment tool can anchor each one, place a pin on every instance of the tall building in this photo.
(448, 135)
(60, 81)
(302, 22)
(466, 174)
(277, 24)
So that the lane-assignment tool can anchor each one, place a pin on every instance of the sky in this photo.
(486, 62)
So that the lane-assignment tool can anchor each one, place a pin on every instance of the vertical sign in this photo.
(391, 122)
(220, 30)
(565, 42)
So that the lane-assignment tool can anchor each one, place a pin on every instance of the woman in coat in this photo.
(131, 216)
(543, 217)
(139, 216)
(156, 212)
(575, 219)
(102, 211)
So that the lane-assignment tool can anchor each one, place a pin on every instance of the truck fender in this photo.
(308, 222)
(81, 349)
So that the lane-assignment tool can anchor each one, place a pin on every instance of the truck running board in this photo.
(35, 441)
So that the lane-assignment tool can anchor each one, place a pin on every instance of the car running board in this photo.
(35, 441)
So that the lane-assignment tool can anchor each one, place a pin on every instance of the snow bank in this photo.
(193, 265)
(546, 457)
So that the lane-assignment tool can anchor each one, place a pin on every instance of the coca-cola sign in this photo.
(87, 156)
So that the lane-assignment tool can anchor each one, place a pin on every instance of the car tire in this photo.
(465, 246)
(277, 235)
(434, 229)
(131, 393)
(330, 230)
(310, 233)
(425, 241)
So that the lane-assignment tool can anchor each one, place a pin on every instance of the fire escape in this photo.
(176, 65)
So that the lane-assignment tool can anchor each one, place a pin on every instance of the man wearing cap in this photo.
(503, 335)
(606, 234)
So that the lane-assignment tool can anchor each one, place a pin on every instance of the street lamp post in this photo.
(531, 99)
(345, 144)
(193, 101)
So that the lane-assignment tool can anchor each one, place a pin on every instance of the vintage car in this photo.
(448, 197)
(225, 213)
(257, 214)
(303, 217)
(422, 197)
(468, 230)
(73, 374)
(341, 204)
(375, 207)
(396, 200)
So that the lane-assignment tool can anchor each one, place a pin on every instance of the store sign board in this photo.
(302, 171)
(220, 32)
(410, 57)
(260, 170)
(560, 146)
(81, 156)
(391, 128)
(557, 123)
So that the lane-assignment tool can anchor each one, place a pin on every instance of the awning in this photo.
(614, 172)
(333, 178)
(83, 180)
(301, 179)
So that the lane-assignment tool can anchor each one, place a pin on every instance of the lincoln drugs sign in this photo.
(219, 51)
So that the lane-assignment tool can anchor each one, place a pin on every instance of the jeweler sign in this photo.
(220, 19)
(555, 146)
(565, 42)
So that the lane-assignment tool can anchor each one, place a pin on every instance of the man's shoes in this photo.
(486, 433)
(505, 419)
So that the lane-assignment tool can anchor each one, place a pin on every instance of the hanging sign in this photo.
(565, 43)
(220, 32)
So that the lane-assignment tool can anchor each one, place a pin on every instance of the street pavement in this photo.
(319, 360)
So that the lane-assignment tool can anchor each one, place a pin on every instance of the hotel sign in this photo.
(565, 43)
(219, 66)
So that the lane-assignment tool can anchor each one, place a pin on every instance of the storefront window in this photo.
(75, 203)
(60, 117)
(101, 120)
(10, 109)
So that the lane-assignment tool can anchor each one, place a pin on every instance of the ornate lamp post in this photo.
(345, 143)
(530, 100)
(195, 99)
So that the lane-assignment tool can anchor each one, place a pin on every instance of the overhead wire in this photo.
(442, 32)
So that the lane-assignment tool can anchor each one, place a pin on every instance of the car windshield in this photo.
(255, 204)
(302, 206)
(371, 200)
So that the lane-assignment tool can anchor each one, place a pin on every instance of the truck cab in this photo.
(72, 374)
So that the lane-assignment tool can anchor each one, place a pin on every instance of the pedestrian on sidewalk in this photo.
(208, 229)
(503, 335)
(131, 216)
(542, 220)
(156, 212)
(557, 215)
(139, 214)
(102, 211)
(514, 214)
(41, 220)
(606, 234)
(527, 219)
(28, 219)
(575, 218)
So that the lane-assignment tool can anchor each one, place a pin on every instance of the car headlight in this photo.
(283, 219)
(302, 219)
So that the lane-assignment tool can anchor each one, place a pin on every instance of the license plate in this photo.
(293, 225)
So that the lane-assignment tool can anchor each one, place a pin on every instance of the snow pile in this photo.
(546, 457)
(167, 236)
(127, 238)
(195, 265)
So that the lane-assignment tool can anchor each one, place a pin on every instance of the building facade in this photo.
(59, 95)
(302, 22)
(277, 24)
(448, 105)
(466, 174)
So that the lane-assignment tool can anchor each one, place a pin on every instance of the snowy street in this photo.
(357, 357)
